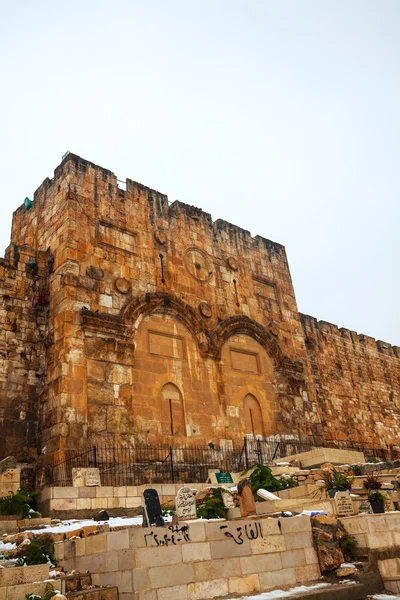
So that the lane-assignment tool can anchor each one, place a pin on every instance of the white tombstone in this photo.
(82, 477)
(185, 504)
(344, 504)
(227, 497)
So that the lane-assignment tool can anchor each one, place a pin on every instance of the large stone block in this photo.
(269, 580)
(204, 590)
(169, 576)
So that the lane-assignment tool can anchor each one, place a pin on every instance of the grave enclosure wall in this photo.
(155, 323)
(201, 562)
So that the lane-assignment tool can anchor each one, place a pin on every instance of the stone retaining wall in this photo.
(197, 560)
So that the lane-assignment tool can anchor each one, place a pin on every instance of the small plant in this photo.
(373, 460)
(49, 592)
(262, 477)
(335, 480)
(357, 470)
(372, 482)
(348, 544)
(18, 504)
(167, 509)
(211, 506)
(376, 496)
(39, 552)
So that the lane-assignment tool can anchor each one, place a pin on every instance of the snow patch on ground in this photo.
(280, 594)
(384, 597)
(7, 546)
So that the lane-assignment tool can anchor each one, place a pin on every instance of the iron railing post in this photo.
(95, 456)
(246, 453)
(171, 458)
(259, 452)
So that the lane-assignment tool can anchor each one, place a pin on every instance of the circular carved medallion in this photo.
(232, 263)
(273, 327)
(95, 273)
(205, 309)
(123, 286)
(160, 236)
(198, 265)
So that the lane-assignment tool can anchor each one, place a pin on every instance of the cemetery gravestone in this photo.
(86, 477)
(227, 498)
(152, 508)
(212, 475)
(186, 504)
(344, 504)
(247, 503)
(224, 477)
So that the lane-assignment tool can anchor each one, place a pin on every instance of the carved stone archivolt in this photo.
(122, 285)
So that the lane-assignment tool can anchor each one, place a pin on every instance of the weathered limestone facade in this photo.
(125, 319)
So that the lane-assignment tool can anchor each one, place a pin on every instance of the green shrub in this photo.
(373, 460)
(167, 509)
(49, 592)
(263, 478)
(357, 470)
(39, 552)
(18, 504)
(335, 480)
(212, 505)
(348, 544)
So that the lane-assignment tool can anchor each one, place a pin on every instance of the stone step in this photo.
(353, 591)
(100, 593)
(10, 576)
(19, 592)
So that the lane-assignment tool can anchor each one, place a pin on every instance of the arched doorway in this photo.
(172, 413)
(253, 416)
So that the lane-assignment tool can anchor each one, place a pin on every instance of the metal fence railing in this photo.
(137, 465)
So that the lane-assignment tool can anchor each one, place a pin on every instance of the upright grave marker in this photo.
(344, 504)
(152, 508)
(85, 477)
(247, 503)
(224, 477)
(185, 504)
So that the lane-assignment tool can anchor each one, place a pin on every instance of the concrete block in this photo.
(116, 502)
(276, 578)
(119, 492)
(140, 579)
(131, 490)
(118, 540)
(106, 579)
(18, 575)
(244, 585)
(63, 504)
(112, 561)
(146, 595)
(293, 558)
(295, 524)
(123, 580)
(84, 503)
(80, 546)
(125, 559)
(98, 503)
(87, 492)
(270, 527)
(168, 576)
(307, 573)
(303, 539)
(311, 556)
(65, 492)
(377, 523)
(95, 563)
(195, 552)
(272, 543)
(208, 589)
(162, 555)
(176, 592)
(260, 563)
(227, 548)
(197, 532)
(380, 539)
(168, 489)
(96, 544)
(104, 492)
(133, 502)
(224, 568)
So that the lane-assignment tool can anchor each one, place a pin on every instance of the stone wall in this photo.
(156, 324)
(357, 382)
(23, 330)
(206, 560)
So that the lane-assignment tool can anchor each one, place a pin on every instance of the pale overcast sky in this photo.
(281, 116)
